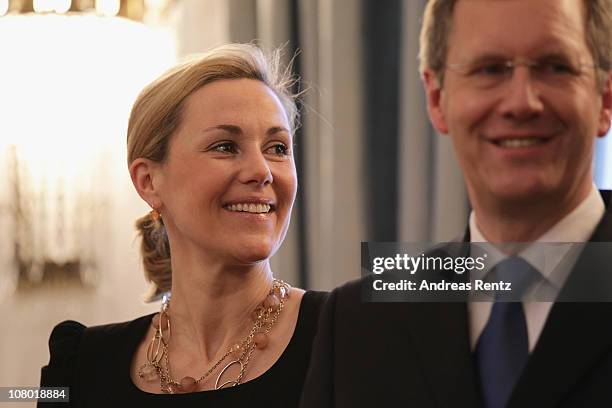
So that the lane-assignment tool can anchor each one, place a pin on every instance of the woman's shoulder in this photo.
(64, 342)
(118, 331)
(68, 335)
(70, 340)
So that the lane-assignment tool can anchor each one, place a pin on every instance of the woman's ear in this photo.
(146, 177)
(433, 92)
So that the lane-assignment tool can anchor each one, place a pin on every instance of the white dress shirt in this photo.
(577, 226)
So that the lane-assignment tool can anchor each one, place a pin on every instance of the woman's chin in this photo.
(254, 254)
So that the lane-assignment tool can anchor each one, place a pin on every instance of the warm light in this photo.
(107, 8)
(4, 5)
(43, 6)
(62, 6)
(66, 107)
(155, 4)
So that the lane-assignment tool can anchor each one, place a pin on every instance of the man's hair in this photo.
(437, 25)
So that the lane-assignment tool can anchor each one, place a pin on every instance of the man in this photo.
(523, 89)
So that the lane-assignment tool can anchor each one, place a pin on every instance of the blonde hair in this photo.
(437, 25)
(156, 115)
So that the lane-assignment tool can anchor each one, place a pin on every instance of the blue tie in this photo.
(502, 349)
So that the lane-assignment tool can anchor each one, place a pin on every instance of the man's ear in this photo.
(606, 107)
(433, 91)
(144, 174)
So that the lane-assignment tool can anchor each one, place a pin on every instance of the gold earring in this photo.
(155, 215)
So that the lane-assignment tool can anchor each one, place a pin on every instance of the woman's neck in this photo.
(211, 306)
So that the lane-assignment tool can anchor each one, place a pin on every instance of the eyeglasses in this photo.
(491, 73)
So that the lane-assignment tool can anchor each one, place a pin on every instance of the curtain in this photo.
(370, 166)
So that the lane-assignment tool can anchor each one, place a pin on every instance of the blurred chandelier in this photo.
(131, 9)
(71, 79)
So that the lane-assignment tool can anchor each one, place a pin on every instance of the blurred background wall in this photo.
(370, 166)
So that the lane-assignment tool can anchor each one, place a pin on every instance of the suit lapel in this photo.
(575, 334)
(441, 334)
(573, 339)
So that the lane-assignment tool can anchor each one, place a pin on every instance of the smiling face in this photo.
(228, 184)
(526, 137)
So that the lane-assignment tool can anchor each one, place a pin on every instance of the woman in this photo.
(210, 151)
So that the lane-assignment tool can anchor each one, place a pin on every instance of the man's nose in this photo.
(256, 169)
(521, 99)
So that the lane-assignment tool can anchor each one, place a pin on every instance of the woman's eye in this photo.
(225, 147)
(278, 149)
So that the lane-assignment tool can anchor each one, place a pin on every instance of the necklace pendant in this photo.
(188, 384)
(260, 340)
(230, 383)
(281, 289)
(271, 301)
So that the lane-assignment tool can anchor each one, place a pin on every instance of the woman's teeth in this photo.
(251, 208)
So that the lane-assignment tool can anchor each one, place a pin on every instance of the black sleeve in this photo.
(63, 349)
(319, 385)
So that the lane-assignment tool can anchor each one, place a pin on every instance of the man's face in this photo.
(521, 133)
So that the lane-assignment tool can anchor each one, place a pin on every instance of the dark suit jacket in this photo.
(418, 354)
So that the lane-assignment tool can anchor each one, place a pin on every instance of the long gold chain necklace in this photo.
(158, 361)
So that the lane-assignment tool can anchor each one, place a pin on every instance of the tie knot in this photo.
(519, 273)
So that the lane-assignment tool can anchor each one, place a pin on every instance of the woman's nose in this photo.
(256, 169)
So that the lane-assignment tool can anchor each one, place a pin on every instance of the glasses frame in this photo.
(509, 66)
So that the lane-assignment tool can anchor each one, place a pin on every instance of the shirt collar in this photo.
(577, 226)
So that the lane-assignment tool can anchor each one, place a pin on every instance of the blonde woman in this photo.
(210, 151)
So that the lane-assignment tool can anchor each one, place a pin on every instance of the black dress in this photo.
(95, 363)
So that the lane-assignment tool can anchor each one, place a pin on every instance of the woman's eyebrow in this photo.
(277, 129)
(233, 129)
(236, 130)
